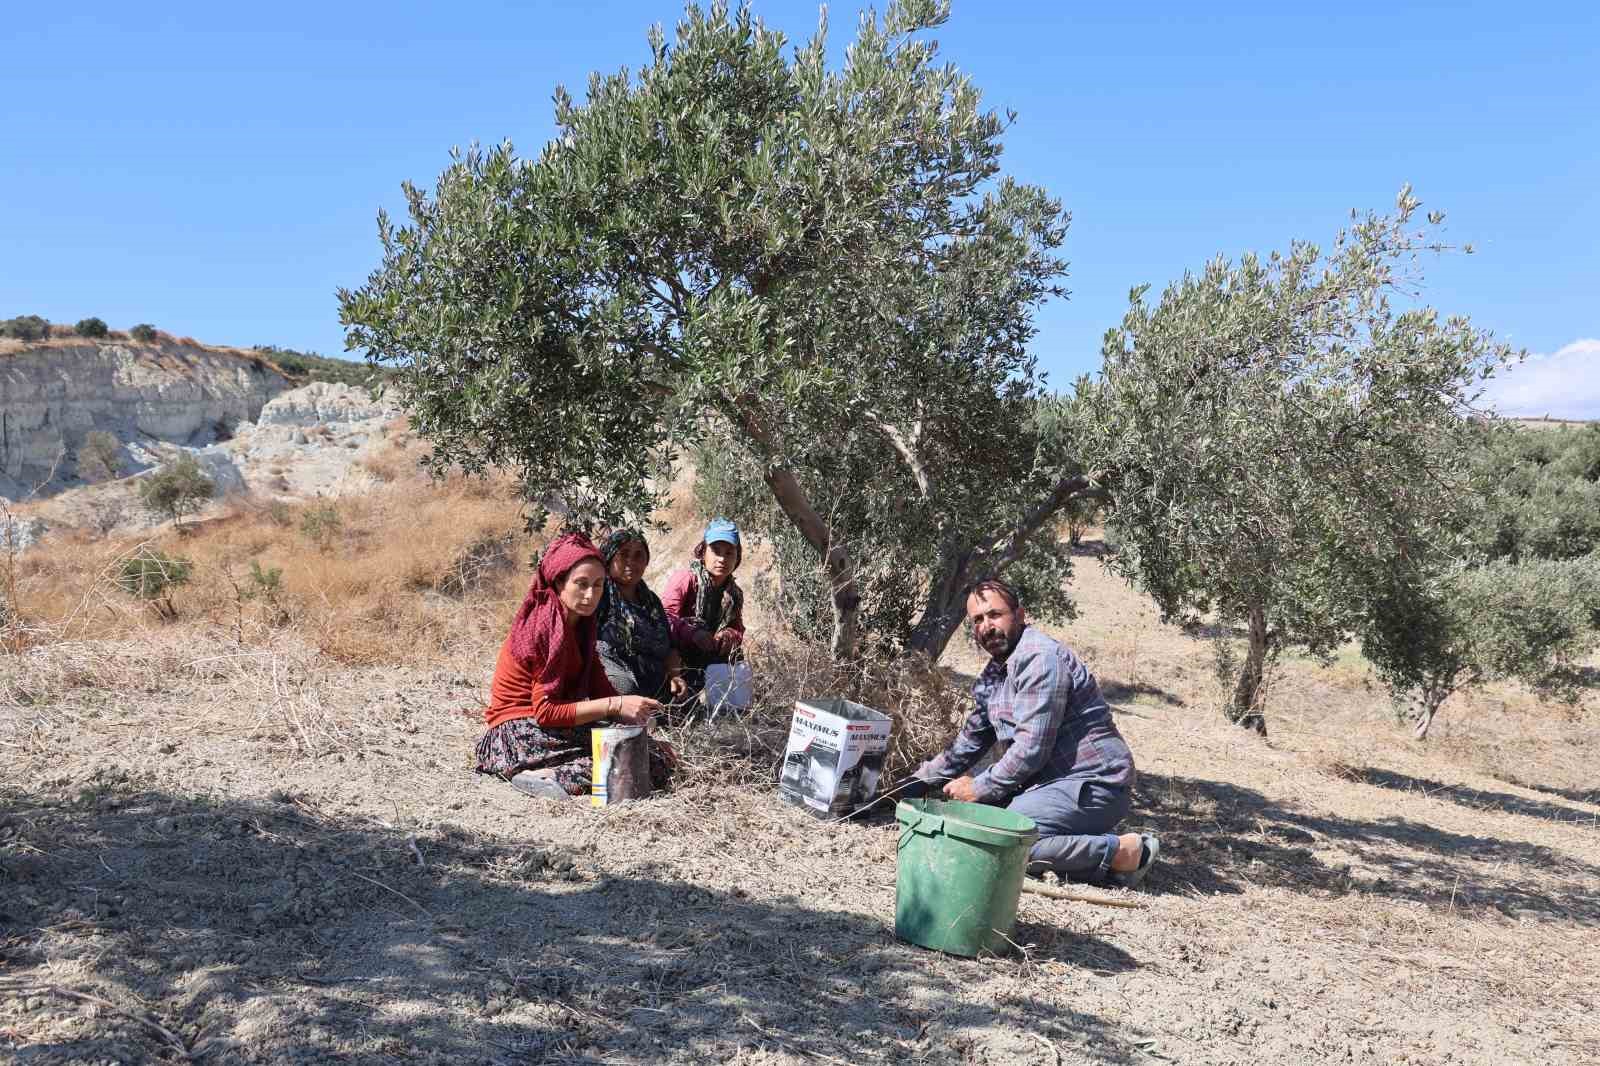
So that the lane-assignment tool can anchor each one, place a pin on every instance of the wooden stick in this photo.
(1080, 897)
(402, 895)
(171, 1039)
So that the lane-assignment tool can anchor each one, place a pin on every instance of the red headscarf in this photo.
(539, 634)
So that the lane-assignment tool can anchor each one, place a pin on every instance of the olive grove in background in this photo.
(1277, 434)
(1522, 601)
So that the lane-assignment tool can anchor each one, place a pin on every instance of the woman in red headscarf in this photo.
(549, 686)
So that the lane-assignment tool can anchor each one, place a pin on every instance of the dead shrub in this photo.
(480, 562)
(924, 703)
(107, 512)
(373, 597)
(386, 469)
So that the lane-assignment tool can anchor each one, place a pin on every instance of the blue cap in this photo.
(723, 530)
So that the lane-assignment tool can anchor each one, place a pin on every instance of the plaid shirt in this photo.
(1046, 707)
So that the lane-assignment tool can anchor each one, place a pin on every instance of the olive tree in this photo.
(1533, 622)
(822, 271)
(1279, 432)
(1524, 603)
(177, 488)
(1544, 499)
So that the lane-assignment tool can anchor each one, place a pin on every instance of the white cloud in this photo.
(1563, 384)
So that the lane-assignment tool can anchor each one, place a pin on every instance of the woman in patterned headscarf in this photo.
(550, 688)
(635, 638)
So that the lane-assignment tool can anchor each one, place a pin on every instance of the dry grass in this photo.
(1339, 893)
(63, 337)
(409, 572)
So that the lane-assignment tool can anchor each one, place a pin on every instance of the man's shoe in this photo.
(1149, 848)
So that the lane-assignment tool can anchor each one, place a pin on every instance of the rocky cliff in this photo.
(55, 393)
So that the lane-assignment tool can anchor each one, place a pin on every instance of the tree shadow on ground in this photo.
(276, 931)
(1121, 692)
(1090, 547)
(1467, 796)
(1213, 630)
(1223, 838)
(1576, 795)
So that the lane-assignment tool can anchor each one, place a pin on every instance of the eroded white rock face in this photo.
(309, 442)
(18, 534)
(322, 403)
(52, 397)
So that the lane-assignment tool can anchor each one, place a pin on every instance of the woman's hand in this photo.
(675, 682)
(726, 641)
(635, 710)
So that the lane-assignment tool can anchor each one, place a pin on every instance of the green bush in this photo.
(265, 582)
(100, 458)
(152, 575)
(91, 327)
(25, 328)
(144, 332)
(322, 524)
(178, 488)
(311, 366)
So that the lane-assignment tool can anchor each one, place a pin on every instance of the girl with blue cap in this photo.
(704, 605)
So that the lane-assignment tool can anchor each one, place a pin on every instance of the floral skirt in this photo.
(522, 744)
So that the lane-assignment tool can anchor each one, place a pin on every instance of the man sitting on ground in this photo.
(1065, 765)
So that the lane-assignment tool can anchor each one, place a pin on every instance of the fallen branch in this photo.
(171, 1039)
(430, 915)
(1080, 897)
(787, 1046)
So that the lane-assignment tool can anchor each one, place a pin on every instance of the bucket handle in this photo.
(926, 824)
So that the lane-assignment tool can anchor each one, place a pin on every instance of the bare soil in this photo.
(220, 854)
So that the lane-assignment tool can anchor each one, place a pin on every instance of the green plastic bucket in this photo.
(959, 874)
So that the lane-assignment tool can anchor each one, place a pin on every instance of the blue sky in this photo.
(216, 169)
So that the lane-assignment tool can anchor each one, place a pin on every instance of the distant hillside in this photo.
(310, 366)
(1550, 423)
(57, 389)
(31, 332)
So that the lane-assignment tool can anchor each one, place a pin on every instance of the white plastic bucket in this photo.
(728, 687)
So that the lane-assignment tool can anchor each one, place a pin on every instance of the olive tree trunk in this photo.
(945, 606)
(943, 609)
(846, 600)
(1245, 707)
(1432, 698)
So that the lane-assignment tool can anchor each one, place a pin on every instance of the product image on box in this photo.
(835, 755)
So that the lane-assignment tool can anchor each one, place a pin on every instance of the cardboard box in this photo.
(834, 756)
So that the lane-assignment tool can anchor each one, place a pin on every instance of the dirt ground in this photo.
(222, 854)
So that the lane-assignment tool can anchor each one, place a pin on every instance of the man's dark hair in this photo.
(996, 586)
